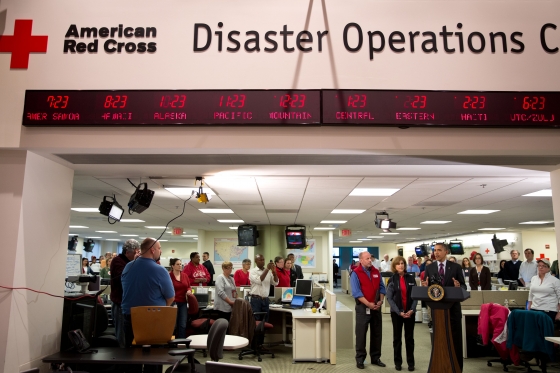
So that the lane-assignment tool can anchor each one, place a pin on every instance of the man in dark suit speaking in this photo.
(451, 275)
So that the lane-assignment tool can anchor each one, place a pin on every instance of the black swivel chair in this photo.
(258, 339)
(215, 345)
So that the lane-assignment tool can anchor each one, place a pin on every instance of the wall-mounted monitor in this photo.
(247, 235)
(421, 250)
(295, 238)
(456, 248)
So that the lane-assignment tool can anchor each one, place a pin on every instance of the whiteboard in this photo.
(73, 264)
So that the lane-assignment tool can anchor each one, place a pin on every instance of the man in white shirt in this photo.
(261, 278)
(375, 262)
(385, 264)
(528, 268)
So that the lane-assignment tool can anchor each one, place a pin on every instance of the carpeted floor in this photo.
(282, 362)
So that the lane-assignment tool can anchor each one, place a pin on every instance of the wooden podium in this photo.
(442, 359)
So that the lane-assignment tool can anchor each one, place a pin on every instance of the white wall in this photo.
(537, 240)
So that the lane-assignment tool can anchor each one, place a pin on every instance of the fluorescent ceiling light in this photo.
(537, 222)
(355, 241)
(189, 235)
(477, 212)
(105, 232)
(373, 192)
(364, 239)
(436, 222)
(388, 233)
(540, 193)
(72, 234)
(491, 229)
(408, 229)
(374, 236)
(129, 235)
(94, 237)
(132, 221)
(231, 221)
(178, 191)
(343, 211)
(195, 238)
(112, 239)
(85, 209)
(77, 226)
(216, 211)
(233, 227)
(324, 228)
(333, 221)
(155, 227)
(162, 240)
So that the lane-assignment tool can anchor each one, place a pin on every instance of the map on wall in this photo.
(226, 250)
(305, 257)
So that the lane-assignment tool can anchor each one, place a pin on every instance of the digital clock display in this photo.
(327, 107)
(441, 108)
(138, 108)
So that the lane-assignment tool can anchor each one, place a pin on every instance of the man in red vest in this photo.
(368, 290)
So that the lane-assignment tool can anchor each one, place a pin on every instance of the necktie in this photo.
(441, 273)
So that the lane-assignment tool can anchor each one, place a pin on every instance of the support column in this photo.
(36, 196)
(555, 185)
(328, 260)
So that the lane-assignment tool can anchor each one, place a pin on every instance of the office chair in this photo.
(104, 336)
(258, 334)
(214, 343)
(153, 324)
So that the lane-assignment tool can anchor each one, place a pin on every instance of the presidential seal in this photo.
(436, 292)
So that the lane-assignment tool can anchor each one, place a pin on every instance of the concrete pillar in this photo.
(36, 196)
(327, 259)
(555, 185)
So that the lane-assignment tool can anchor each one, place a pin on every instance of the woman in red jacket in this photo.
(182, 287)
(283, 274)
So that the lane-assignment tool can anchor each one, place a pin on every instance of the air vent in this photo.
(435, 203)
(282, 211)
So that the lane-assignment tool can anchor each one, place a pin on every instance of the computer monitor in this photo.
(271, 291)
(287, 295)
(78, 314)
(304, 288)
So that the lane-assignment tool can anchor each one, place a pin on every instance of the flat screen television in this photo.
(421, 250)
(295, 238)
(247, 235)
(456, 248)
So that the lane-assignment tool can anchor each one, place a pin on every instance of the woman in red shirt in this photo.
(399, 291)
(198, 274)
(241, 276)
(283, 274)
(182, 286)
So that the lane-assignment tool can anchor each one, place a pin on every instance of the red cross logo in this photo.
(486, 251)
(22, 43)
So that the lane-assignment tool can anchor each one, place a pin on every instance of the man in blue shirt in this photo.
(411, 267)
(368, 290)
(145, 283)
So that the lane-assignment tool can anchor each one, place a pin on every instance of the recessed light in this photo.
(478, 212)
(374, 236)
(364, 239)
(537, 222)
(343, 211)
(436, 222)
(112, 239)
(324, 229)
(188, 191)
(389, 233)
(85, 209)
(189, 235)
(408, 229)
(230, 221)
(333, 221)
(491, 229)
(540, 193)
(77, 226)
(105, 232)
(155, 227)
(129, 235)
(132, 221)
(373, 192)
(94, 237)
(216, 211)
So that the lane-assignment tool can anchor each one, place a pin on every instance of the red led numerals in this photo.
(173, 101)
(295, 101)
(115, 102)
(357, 101)
(474, 102)
(58, 102)
(415, 102)
(533, 103)
(233, 101)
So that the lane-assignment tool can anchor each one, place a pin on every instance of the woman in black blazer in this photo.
(403, 307)
(480, 275)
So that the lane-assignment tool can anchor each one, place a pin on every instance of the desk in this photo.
(467, 313)
(232, 342)
(109, 355)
